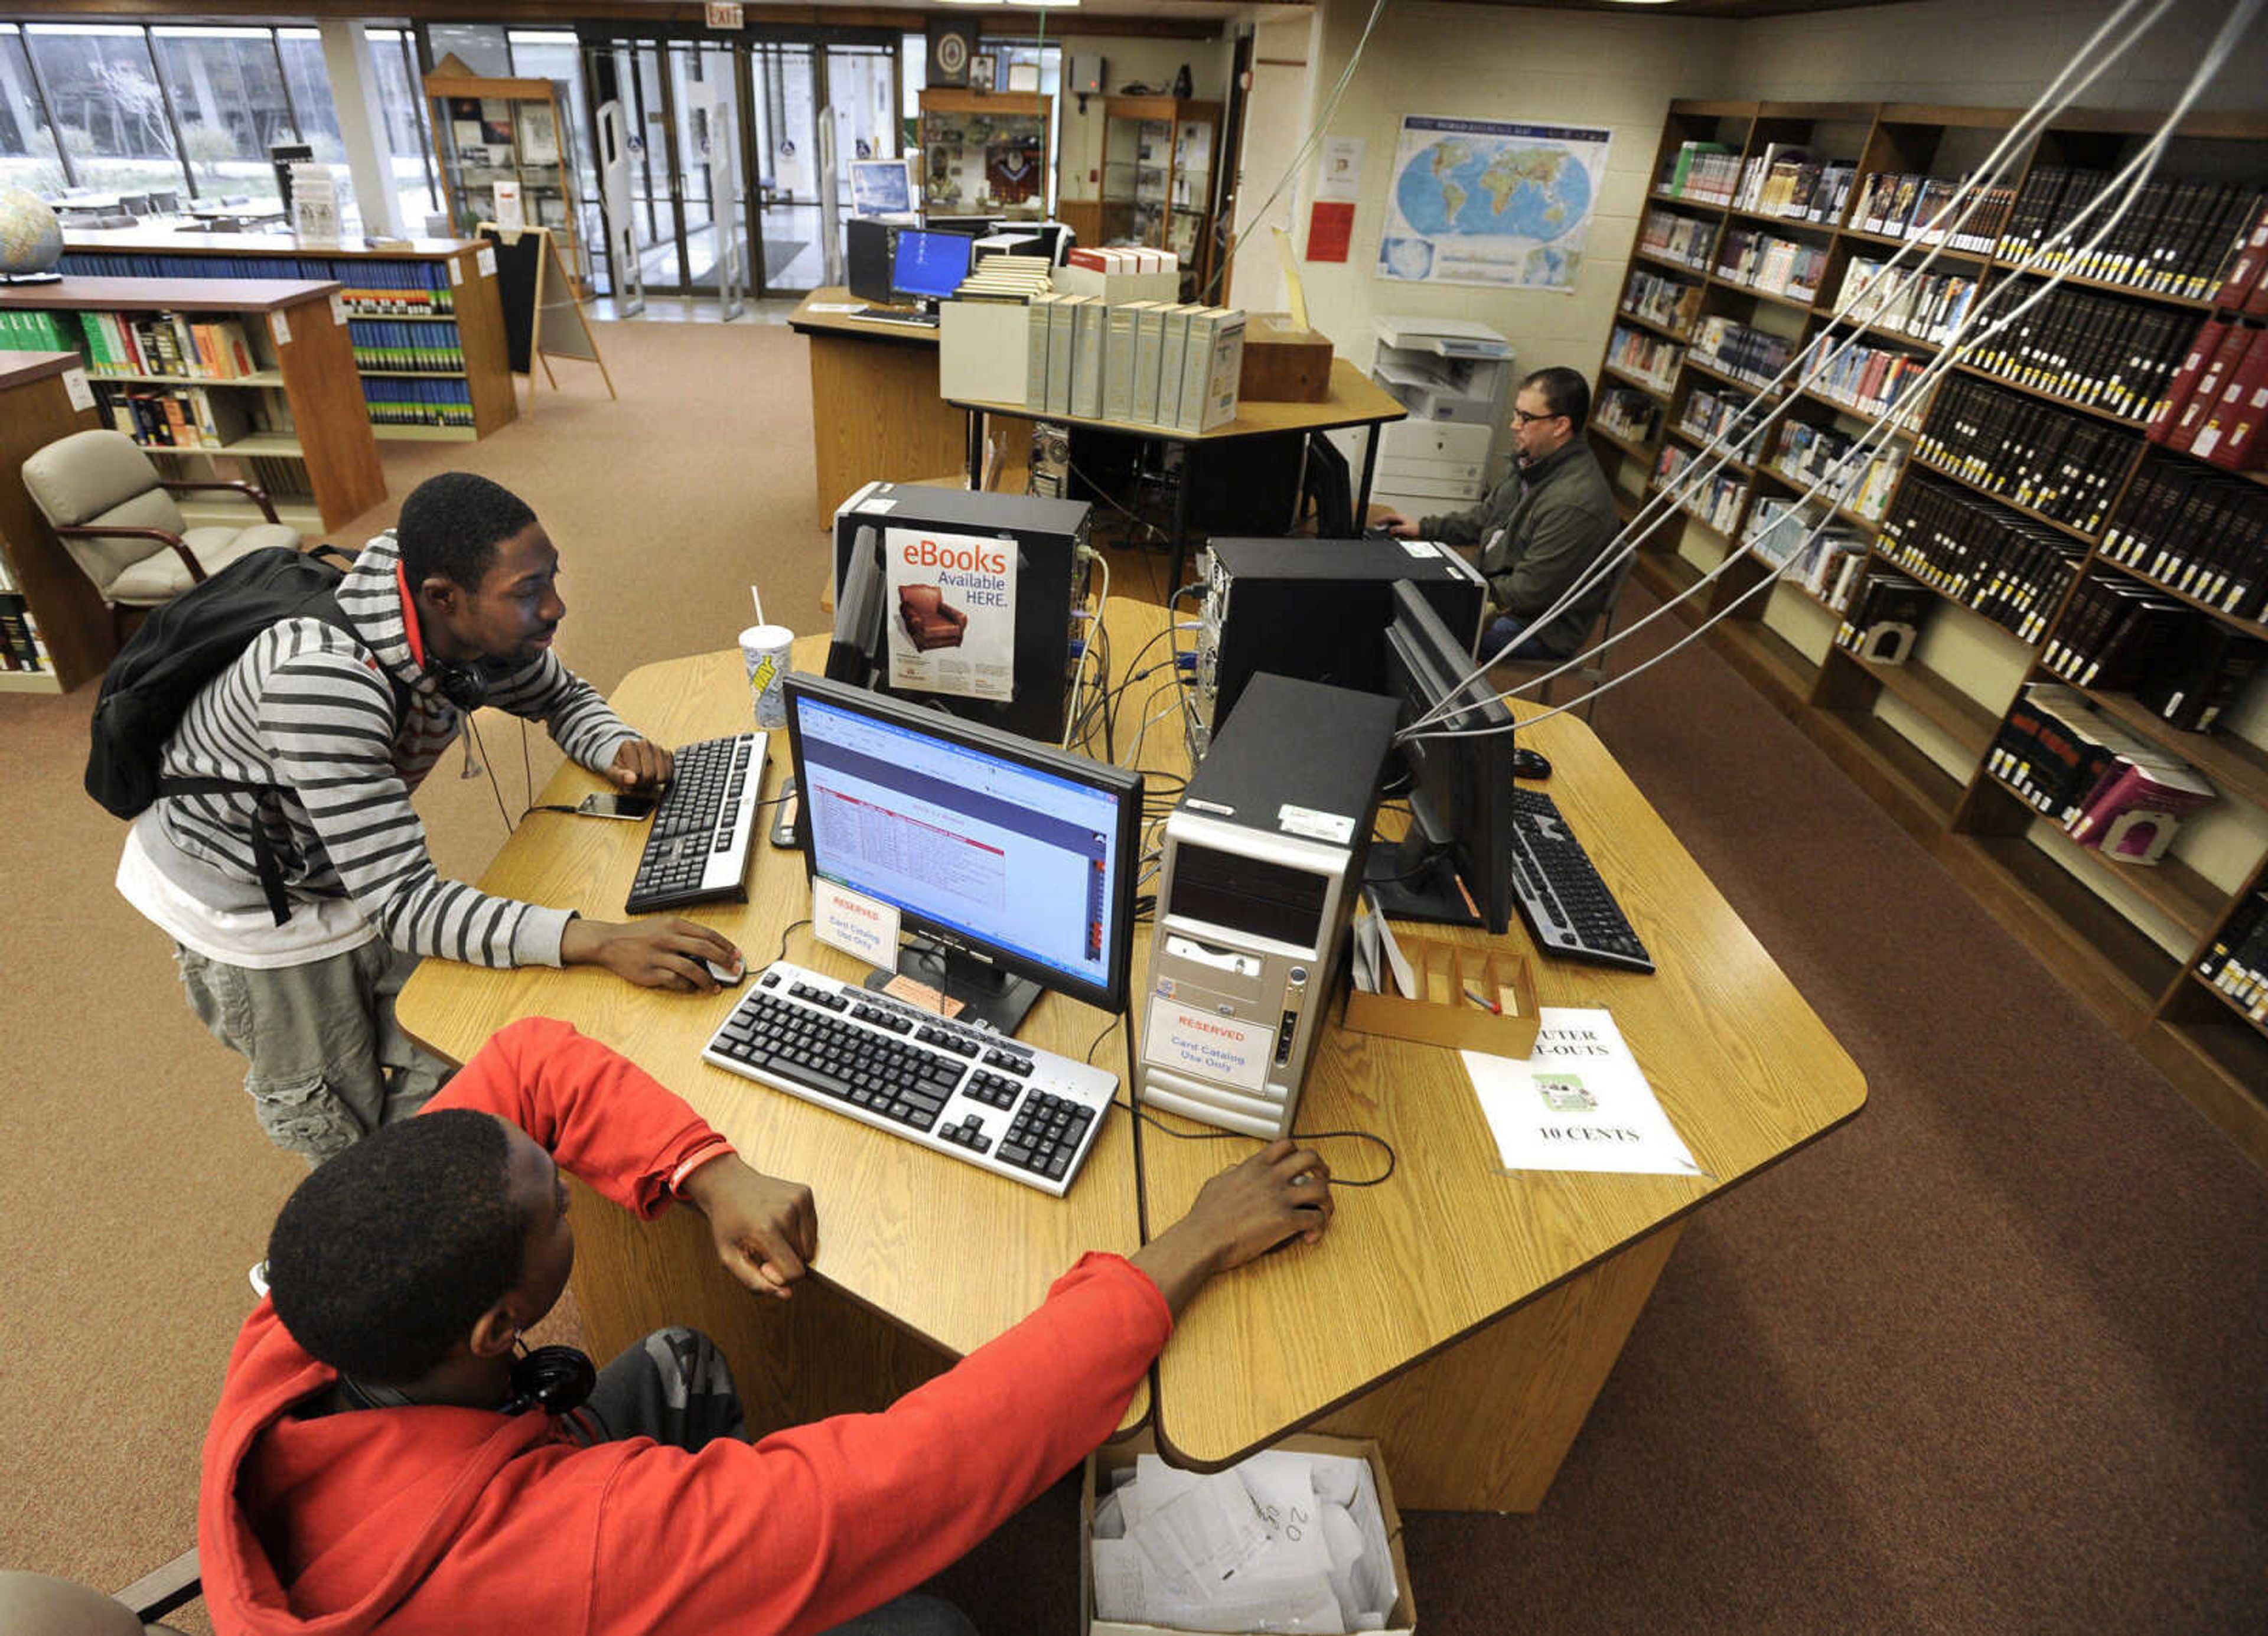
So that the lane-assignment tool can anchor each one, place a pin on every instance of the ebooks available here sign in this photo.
(950, 613)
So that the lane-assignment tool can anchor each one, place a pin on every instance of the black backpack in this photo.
(179, 649)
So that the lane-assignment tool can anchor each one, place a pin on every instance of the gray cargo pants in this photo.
(328, 1063)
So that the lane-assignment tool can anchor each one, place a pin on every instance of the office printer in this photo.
(1455, 376)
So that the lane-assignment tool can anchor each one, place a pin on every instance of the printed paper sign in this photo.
(950, 613)
(486, 257)
(338, 307)
(510, 215)
(279, 327)
(1578, 1103)
(854, 923)
(1340, 174)
(456, 271)
(1207, 1046)
(76, 389)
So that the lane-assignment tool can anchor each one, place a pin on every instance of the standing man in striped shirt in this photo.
(454, 608)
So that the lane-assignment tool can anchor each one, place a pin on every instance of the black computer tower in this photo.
(1049, 541)
(1317, 609)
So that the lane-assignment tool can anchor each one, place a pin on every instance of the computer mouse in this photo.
(1527, 763)
(726, 976)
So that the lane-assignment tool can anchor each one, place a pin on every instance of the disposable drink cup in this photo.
(763, 650)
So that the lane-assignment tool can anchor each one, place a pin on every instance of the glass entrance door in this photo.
(784, 142)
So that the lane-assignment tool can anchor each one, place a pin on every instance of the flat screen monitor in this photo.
(1013, 865)
(1454, 866)
(880, 187)
(929, 266)
(869, 250)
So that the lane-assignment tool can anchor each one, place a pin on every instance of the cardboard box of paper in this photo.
(1114, 275)
(1354, 1571)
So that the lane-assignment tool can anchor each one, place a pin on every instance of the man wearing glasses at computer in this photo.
(1539, 528)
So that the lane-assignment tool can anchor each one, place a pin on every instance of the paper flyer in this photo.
(951, 615)
(1580, 1102)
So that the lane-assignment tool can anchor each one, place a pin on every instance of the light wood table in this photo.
(1464, 1316)
(922, 1258)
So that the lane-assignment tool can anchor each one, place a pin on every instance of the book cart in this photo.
(423, 317)
(1722, 286)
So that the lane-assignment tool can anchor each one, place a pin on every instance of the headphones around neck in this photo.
(555, 1379)
(465, 685)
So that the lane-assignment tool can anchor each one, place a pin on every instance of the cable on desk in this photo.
(1310, 1137)
(790, 933)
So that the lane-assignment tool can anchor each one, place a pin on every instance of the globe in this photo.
(30, 238)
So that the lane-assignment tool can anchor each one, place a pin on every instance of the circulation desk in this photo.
(1464, 1316)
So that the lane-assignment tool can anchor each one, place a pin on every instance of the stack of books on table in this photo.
(2109, 790)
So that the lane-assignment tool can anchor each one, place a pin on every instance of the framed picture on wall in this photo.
(980, 72)
(1023, 77)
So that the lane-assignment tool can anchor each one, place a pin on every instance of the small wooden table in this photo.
(1355, 400)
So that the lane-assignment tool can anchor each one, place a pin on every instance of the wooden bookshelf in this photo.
(72, 623)
(487, 130)
(2127, 938)
(314, 420)
(462, 295)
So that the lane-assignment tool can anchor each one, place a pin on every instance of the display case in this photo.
(1158, 179)
(985, 154)
(488, 131)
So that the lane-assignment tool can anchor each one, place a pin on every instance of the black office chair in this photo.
(1583, 681)
(33, 1604)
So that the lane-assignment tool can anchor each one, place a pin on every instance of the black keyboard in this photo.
(1560, 895)
(895, 315)
(972, 1095)
(697, 850)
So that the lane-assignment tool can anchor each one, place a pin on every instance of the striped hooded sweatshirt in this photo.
(310, 709)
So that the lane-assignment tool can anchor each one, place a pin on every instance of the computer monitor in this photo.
(1454, 866)
(880, 187)
(928, 265)
(1011, 864)
(869, 251)
(858, 611)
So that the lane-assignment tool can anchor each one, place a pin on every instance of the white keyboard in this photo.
(1017, 1111)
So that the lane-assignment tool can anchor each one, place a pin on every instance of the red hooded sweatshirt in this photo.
(447, 1520)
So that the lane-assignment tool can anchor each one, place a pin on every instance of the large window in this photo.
(29, 158)
(110, 122)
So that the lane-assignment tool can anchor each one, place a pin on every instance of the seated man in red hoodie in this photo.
(372, 1467)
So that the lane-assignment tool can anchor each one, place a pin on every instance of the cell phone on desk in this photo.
(783, 816)
(615, 804)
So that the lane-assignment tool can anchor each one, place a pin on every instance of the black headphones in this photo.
(465, 685)
(555, 1379)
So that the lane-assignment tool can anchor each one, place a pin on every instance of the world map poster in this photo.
(1490, 201)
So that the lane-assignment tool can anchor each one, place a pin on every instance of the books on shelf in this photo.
(1932, 210)
(30, 331)
(1928, 306)
(2098, 351)
(2009, 569)
(22, 647)
(1807, 454)
(2064, 466)
(382, 287)
(2114, 631)
(2242, 289)
(1645, 357)
(1861, 376)
(1799, 539)
(166, 343)
(2217, 402)
(1785, 181)
(178, 417)
(1755, 356)
(2189, 528)
(2175, 241)
(1714, 411)
(1758, 260)
(431, 401)
(1716, 501)
(381, 344)
(1669, 302)
(1882, 617)
(1634, 415)
(1685, 238)
(2108, 790)
(2236, 964)
(1706, 171)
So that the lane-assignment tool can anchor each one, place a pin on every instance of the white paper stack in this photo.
(1282, 1541)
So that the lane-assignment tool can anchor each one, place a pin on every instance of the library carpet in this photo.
(1989, 1359)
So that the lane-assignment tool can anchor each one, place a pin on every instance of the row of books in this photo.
(1763, 261)
(1634, 416)
(1707, 171)
(1645, 357)
(2237, 962)
(178, 417)
(1882, 615)
(2244, 285)
(2121, 636)
(1169, 364)
(1711, 412)
(1869, 378)
(2176, 239)
(2108, 790)
(166, 343)
(1932, 210)
(1716, 501)
(1756, 356)
(1686, 239)
(37, 332)
(379, 287)
(1928, 306)
(382, 343)
(1807, 454)
(2061, 465)
(399, 402)
(1797, 540)
(2098, 351)
(2215, 403)
(22, 647)
(1785, 181)
(2006, 567)
(2199, 533)
(1669, 302)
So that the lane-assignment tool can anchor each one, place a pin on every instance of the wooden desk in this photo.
(876, 414)
(1465, 1317)
(950, 1254)
(1355, 400)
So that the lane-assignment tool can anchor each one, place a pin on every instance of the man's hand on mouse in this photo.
(1282, 1192)
(661, 953)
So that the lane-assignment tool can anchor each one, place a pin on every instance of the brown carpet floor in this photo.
(1990, 1359)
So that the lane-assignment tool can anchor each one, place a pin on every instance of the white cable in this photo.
(1881, 288)
(2132, 176)
(1094, 633)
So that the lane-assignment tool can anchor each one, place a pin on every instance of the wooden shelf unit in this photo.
(974, 142)
(487, 130)
(71, 622)
(2126, 938)
(1160, 177)
(461, 294)
(298, 333)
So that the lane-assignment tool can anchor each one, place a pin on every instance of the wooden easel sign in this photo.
(542, 319)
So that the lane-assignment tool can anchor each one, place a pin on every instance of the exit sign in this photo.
(725, 13)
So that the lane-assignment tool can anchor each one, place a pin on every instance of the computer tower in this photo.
(869, 248)
(1263, 862)
(1317, 609)
(979, 594)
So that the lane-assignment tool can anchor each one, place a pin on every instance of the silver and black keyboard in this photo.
(697, 850)
(1008, 1108)
(896, 315)
(1565, 904)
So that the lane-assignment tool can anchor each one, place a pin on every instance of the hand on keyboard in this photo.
(640, 764)
(665, 954)
(767, 1230)
(1280, 1193)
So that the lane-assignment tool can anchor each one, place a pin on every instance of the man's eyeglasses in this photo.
(1521, 417)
